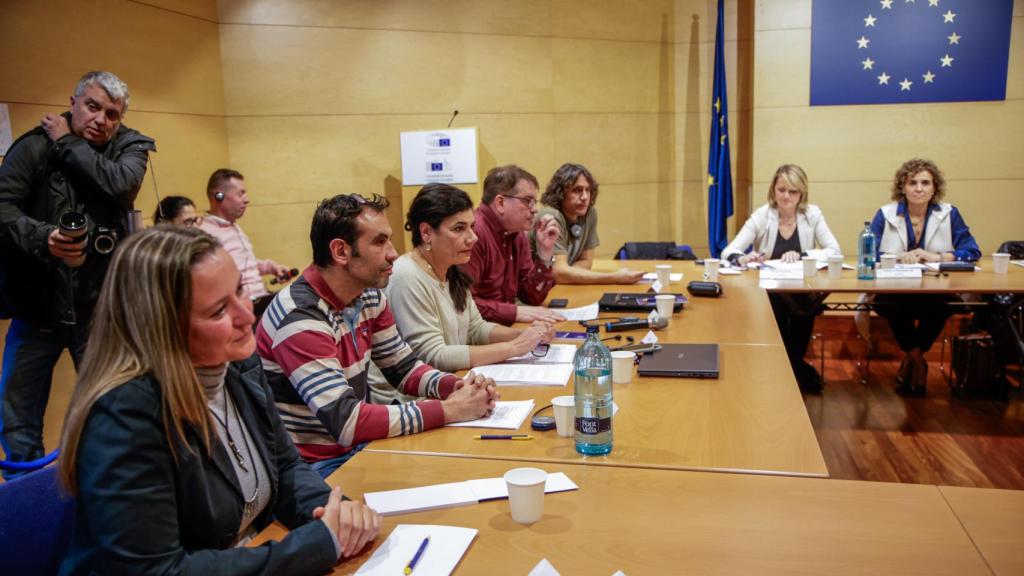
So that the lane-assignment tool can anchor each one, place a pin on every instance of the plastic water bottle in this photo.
(592, 367)
(866, 245)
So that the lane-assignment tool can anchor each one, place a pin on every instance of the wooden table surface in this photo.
(670, 522)
(751, 419)
(995, 520)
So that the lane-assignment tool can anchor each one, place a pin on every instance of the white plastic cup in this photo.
(526, 493)
(565, 414)
(888, 261)
(622, 366)
(1001, 262)
(664, 274)
(835, 266)
(711, 269)
(665, 304)
(810, 266)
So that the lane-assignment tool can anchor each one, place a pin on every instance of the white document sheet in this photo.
(779, 270)
(652, 276)
(527, 374)
(588, 312)
(1017, 263)
(496, 488)
(557, 354)
(420, 499)
(897, 273)
(728, 272)
(444, 551)
(438, 496)
(506, 416)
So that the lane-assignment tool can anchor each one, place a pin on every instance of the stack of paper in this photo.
(506, 415)
(440, 556)
(552, 369)
(453, 494)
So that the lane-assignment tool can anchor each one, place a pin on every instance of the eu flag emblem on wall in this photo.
(719, 165)
(902, 51)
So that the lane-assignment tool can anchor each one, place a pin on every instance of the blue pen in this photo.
(419, 554)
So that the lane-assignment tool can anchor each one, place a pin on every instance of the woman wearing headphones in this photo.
(173, 446)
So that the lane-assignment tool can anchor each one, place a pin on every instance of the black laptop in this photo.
(634, 302)
(681, 361)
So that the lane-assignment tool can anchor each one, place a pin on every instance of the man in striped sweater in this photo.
(320, 334)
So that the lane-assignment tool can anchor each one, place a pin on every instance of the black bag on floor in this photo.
(974, 365)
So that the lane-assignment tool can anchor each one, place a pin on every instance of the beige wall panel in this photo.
(205, 9)
(844, 143)
(782, 14)
(637, 213)
(599, 76)
(696, 21)
(310, 158)
(171, 62)
(336, 71)
(523, 17)
(782, 76)
(618, 148)
(648, 21)
(694, 80)
(281, 232)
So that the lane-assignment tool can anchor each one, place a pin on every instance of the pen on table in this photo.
(503, 437)
(416, 558)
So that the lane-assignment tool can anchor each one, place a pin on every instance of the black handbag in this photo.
(975, 365)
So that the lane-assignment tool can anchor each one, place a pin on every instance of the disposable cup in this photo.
(810, 266)
(711, 269)
(526, 493)
(622, 366)
(1001, 262)
(888, 261)
(665, 304)
(664, 274)
(835, 266)
(565, 415)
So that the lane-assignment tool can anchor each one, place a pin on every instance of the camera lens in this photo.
(104, 243)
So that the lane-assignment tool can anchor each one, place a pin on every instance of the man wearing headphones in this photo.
(228, 201)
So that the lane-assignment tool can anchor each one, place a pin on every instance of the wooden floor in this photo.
(866, 432)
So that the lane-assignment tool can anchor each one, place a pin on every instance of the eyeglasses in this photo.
(542, 349)
(528, 201)
(193, 222)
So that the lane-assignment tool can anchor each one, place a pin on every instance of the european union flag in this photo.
(902, 51)
(719, 166)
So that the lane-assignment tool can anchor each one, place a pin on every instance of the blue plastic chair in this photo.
(36, 518)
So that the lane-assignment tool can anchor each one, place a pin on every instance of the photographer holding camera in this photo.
(66, 188)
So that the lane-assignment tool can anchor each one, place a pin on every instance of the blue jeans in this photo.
(30, 353)
(327, 467)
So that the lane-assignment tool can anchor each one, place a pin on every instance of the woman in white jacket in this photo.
(784, 229)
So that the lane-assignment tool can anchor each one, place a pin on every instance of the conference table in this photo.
(644, 521)
(659, 502)
(751, 419)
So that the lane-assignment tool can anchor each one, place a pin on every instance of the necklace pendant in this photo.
(238, 455)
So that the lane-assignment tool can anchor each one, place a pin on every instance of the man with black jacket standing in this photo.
(83, 161)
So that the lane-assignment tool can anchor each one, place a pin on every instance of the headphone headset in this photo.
(219, 196)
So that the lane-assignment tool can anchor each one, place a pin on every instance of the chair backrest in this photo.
(654, 251)
(36, 518)
(1014, 247)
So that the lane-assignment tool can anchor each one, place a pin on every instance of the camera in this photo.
(101, 239)
(104, 240)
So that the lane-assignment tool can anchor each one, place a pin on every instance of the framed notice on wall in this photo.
(6, 138)
(447, 156)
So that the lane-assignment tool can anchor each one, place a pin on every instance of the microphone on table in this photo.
(285, 277)
(657, 323)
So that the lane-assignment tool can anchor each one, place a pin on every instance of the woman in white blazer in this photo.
(918, 227)
(784, 229)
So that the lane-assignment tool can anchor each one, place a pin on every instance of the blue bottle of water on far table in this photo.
(592, 367)
(866, 247)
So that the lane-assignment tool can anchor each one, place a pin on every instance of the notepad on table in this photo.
(588, 312)
(447, 546)
(507, 415)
